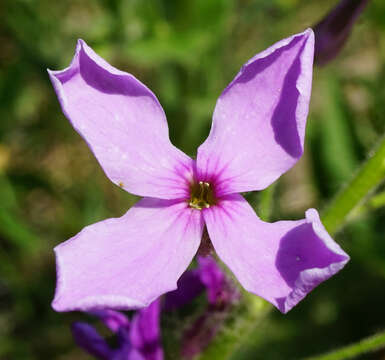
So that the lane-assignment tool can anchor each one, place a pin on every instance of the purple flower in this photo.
(141, 338)
(257, 134)
(138, 340)
(334, 29)
(221, 292)
(189, 286)
(89, 339)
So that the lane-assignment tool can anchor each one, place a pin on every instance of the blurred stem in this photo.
(351, 351)
(237, 329)
(368, 177)
(375, 202)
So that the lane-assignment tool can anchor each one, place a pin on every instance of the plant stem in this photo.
(368, 177)
(351, 351)
(238, 327)
(375, 202)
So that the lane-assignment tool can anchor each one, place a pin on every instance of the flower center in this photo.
(202, 195)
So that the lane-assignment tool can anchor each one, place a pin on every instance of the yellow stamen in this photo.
(202, 195)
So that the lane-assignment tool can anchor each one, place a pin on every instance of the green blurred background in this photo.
(186, 52)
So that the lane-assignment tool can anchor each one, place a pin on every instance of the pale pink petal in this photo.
(127, 262)
(281, 261)
(124, 126)
(259, 120)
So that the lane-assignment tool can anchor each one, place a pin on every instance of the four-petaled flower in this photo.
(257, 134)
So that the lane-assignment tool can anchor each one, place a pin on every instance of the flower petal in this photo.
(90, 340)
(124, 125)
(114, 320)
(259, 121)
(212, 277)
(145, 332)
(190, 286)
(127, 353)
(332, 32)
(281, 261)
(127, 262)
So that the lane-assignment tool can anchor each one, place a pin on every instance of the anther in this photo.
(201, 195)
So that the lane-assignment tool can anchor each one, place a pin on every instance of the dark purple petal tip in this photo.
(332, 32)
(307, 256)
(89, 339)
